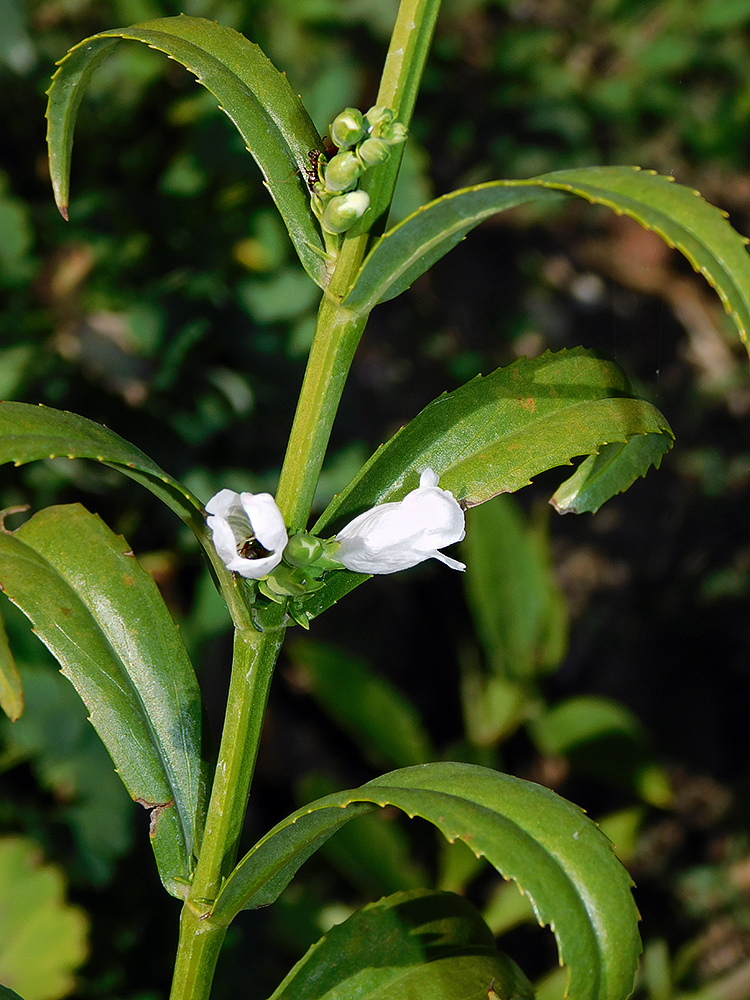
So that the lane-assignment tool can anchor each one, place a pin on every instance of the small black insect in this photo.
(318, 158)
(312, 173)
(252, 549)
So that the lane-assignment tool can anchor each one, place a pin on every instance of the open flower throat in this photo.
(250, 536)
(248, 532)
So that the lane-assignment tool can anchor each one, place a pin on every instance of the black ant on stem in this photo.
(313, 173)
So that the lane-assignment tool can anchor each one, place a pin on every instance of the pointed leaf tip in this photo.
(63, 210)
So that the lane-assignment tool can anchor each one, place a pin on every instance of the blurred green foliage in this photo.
(172, 309)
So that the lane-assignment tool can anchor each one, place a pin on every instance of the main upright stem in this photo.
(254, 658)
(337, 334)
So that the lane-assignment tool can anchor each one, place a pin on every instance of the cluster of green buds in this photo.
(304, 561)
(363, 141)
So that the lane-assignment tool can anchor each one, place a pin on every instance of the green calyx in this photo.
(306, 559)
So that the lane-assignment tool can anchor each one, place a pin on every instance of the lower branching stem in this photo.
(197, 953)
(255, 655)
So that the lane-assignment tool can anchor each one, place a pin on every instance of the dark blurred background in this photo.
(171, 308)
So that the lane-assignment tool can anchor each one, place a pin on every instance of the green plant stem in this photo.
(255, 655)
(337, 335)
(399, 86)
(197, 954)
(338, 330)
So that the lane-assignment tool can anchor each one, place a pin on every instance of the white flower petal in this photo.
(238, 518)
(223, 536)
(397, 535)
(266, 519)
(223, 502)
(429, 478)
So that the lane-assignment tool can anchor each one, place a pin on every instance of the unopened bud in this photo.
(343, 211)
(347, 128)
(343, 171)
(377, 118)
(394, 133)
(373, 152)
(303, 549)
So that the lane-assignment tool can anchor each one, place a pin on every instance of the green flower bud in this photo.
(284, 582)
(343, 171)
(303, 549)
(347, 128)
(372, 152)
(394, 133)
(377, 118)
(343, 211)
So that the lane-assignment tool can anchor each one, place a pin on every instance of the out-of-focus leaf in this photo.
(613, 470)
(43, 939)
(514, 597)
(104, 620)
(257, 98)
(279, 298)
(409, 946)
(604, 739)
(68, 758)
(374, 714)
(494, 706)
(624, 830)
(16, 263)
(493, 435)
(507, 908)
(15, 363)
(581, 719)
(11, 688)
(559, 858)
(676, 213)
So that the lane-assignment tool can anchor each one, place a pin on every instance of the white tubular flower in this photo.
(248, 532)
(396, 536)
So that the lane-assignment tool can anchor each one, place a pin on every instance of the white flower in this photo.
(248, 532)
(395, 536)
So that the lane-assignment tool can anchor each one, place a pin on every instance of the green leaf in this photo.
(257, 98)
(373, 853)
(11, 688)
(513, 594)
(676, 213)
(29, 433)
(104, 620)
(494, 434)
(70, 762)
(410, 248)
(6, 994)
(43, 939)
(497, 432)
(374, 714)
(613, 470)
(409, 946)
(559, 858)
